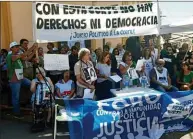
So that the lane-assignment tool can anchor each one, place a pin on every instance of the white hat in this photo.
(13, 44)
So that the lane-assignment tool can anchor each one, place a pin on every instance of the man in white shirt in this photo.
(160, 79)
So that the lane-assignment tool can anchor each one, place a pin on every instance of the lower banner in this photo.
(139, 115)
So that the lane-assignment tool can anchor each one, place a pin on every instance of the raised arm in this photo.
(58, 92)
(72, 90)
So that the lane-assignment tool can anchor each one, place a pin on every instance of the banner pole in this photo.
(33, 21)
(159, 17)
(34, 27)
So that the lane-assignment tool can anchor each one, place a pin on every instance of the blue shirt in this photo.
(2, 60)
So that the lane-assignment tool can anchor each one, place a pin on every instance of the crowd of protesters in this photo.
(166, 70)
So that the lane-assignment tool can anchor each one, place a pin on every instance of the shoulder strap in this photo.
(41, 90)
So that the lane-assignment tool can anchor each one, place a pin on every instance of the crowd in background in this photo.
(167, 70)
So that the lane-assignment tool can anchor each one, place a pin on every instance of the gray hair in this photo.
(41, 70)
(83, 52)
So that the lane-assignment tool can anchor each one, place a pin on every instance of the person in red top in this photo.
(65, 88)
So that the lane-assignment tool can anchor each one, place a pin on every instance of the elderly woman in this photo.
(65, 88)
(41, 92)
(82, 72)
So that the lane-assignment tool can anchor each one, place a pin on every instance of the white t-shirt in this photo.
(154, 54)
(104, 69)
(64, 87)
(162, 77)
(148, 66)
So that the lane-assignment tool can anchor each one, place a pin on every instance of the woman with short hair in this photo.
(82, 72)
(65, 87)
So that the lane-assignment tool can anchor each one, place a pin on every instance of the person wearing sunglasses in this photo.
(160, 79)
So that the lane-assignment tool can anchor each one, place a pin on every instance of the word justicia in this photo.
(132, 125)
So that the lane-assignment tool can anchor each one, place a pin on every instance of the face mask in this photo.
(159, 68)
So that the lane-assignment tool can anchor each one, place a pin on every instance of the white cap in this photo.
(13, 44)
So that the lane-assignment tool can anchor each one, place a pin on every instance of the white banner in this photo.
(56, 62)
(59, 22)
